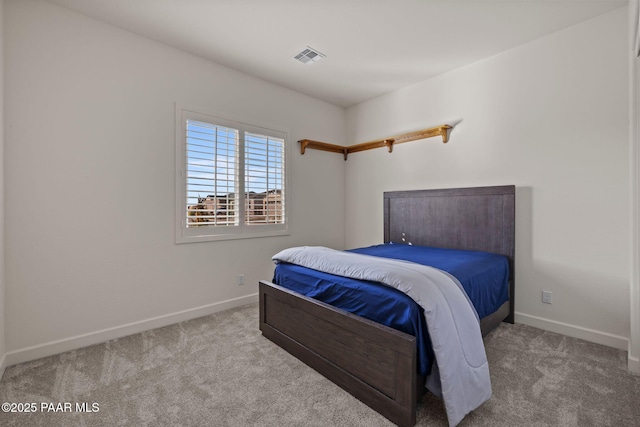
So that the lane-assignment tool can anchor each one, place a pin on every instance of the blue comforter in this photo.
(483, 276)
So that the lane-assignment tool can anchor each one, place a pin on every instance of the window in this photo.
(230, 179)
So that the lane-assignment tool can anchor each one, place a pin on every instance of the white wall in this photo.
(634, 156)
(2, 285)
(550, 117)
(89, 207)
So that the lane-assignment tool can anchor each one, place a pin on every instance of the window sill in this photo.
(230, 236)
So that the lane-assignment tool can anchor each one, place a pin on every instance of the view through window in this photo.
(233, 178)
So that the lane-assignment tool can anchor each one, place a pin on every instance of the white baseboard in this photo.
(586, 334)
(60, 346)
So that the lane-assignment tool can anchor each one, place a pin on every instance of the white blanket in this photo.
(460, 373)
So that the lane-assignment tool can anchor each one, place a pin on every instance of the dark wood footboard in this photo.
(373, 362)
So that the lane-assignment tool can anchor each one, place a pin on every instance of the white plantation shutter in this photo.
(264, 179)
(212, 183)
(231, 179)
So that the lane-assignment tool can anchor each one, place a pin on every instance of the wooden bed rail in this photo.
(442, 130)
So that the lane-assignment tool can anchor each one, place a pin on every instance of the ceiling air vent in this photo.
(309, 55)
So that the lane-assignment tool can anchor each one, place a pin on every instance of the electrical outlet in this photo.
(546, 297)
(240, 279)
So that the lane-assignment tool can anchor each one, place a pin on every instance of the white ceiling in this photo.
(372, 46)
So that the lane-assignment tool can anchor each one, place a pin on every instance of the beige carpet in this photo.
(219, 371)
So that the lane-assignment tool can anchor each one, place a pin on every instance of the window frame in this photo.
(184, 234)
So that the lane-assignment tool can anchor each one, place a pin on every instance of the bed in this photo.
(376, 363)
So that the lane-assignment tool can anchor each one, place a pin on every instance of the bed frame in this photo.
(373, 362)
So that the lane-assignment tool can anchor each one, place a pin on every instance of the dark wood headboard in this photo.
(479, 218)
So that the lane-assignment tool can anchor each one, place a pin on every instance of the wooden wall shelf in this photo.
(442, 130)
